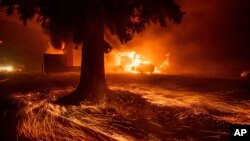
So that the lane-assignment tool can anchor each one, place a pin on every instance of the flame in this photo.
(165, 64)
(63, 46)
(130, 60)
(133, 62)
(52, 50)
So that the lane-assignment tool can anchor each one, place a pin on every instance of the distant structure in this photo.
(73, 57)
(54, 63)
(62, 60)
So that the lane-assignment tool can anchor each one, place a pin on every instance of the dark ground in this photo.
(139, 107)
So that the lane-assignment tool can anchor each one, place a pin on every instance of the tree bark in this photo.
(92, 86)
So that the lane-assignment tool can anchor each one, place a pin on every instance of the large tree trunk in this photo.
(92, 86)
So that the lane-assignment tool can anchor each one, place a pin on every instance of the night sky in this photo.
(212, 39)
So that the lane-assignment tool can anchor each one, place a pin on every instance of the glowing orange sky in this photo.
(213, 35)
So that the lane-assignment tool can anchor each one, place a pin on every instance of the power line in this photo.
(14, 19)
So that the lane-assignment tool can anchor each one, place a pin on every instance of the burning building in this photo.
(54, 63)
(61, 60)
(69, 59)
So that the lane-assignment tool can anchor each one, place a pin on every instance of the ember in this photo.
(42, 120)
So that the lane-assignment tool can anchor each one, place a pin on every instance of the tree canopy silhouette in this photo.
(84, 21)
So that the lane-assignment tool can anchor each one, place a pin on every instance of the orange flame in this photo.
(133, 62)
(130, 60)
(51, 50)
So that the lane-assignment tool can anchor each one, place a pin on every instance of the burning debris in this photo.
(133, 62)
(54, 59)
(165, 65)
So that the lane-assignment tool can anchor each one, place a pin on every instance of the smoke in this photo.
(211, 39)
